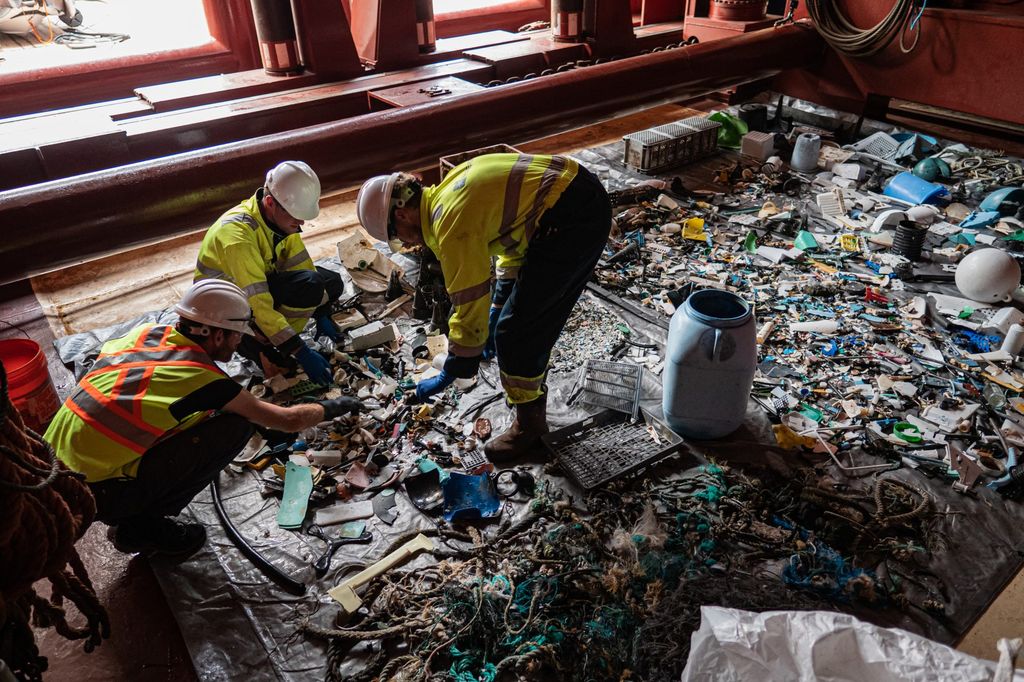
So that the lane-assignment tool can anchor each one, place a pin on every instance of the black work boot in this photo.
(523, 436)
(159, 535)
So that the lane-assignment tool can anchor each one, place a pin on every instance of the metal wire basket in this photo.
(614, 385)
(608, 445)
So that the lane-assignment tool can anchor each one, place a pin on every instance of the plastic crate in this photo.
(609, 445)
(613, 385)
(672, 144)
(446, 163)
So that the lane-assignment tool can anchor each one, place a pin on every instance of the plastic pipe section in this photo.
(64, 221)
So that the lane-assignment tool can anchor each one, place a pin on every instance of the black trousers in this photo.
(560, 259)
(172, 472)
(297, 289)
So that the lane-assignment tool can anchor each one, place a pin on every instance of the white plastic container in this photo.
(709, 366)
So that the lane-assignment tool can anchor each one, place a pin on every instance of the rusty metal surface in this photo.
(69, 220)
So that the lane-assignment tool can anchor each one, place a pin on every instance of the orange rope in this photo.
(49, 25)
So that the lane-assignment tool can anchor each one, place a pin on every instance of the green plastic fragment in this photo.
(812, 413)
(805, 241)
(298, 484)
(966, 313)
(732, 131)
(750, 243)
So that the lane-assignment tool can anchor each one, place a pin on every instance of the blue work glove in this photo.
(317, 368)
(325, 327)
(433, 385)
(502, 290)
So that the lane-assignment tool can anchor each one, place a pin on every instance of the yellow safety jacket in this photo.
(241, 248)
(122, 406)
(487, 206)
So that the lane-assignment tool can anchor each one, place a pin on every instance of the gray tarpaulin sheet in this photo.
(239, 625)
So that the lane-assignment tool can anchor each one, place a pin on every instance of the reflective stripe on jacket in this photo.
(488, 206)
(122, 406)
(241, 248)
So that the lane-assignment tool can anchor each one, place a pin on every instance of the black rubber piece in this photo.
(288, 584)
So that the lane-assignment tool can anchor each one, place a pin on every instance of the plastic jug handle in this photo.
(716, 350)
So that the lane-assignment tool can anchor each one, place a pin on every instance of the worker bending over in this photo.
(546, 219)
(257, 246)
(155, 420)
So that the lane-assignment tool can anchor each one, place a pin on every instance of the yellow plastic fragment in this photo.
(789, 439)
(693, 228)
(827, 269)
(849, 242)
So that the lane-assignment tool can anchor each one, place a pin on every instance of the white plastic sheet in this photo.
(821, 646)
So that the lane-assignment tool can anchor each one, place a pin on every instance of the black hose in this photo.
(288, 584)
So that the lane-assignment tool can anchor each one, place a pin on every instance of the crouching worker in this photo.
(155, 420)
(258, 246)
(546, 219)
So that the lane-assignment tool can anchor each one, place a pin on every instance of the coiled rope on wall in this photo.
(903, 19)
(45, 509)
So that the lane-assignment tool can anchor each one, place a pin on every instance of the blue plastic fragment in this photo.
(470, 497)
(978, 219)
(821, 312)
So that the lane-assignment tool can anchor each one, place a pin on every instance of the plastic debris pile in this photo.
(866, 344)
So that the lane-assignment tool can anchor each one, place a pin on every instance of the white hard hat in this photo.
(296, 187)
(217, 303)
(373, 205)
(988, 275)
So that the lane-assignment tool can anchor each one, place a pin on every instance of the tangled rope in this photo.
(614, 592)
(845, 37)
(45, 509)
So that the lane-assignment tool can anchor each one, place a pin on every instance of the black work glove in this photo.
(461, 368)
(336, 407)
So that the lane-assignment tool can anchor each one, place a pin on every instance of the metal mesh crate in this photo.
(608, 445)
(614, 385)
(672, 144)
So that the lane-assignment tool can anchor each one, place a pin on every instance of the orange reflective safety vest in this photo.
(122, 406)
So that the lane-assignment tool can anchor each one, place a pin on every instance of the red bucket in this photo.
(28, 382)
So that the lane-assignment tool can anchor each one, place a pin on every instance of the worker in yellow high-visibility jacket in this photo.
(155, 419)
(257, 245)
(546, 219)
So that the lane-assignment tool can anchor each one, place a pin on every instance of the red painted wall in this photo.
(967, 60)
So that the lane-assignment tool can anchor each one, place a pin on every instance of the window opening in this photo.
(37, 34)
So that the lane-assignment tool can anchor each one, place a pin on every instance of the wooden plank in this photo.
(210, 89)
(175, 131)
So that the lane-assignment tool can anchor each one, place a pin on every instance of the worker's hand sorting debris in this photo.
(338, 407)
